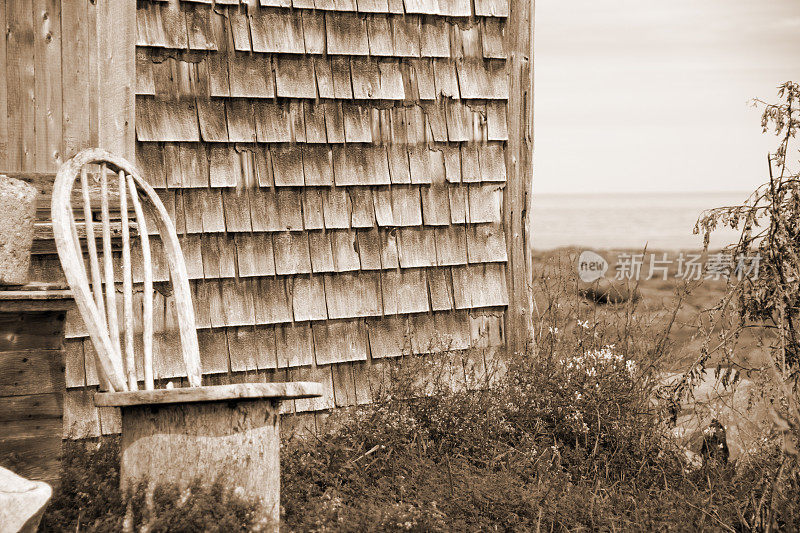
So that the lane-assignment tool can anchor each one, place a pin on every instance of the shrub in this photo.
(89, 498)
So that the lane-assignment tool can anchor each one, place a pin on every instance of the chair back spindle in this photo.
(95, 291)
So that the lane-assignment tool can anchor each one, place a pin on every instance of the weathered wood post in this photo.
(517, 200)
(226, 433)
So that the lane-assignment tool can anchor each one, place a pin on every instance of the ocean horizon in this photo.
(660, 221)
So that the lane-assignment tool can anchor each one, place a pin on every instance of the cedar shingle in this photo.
(211, 209)
(334, 121)
(240, 30)
(237, 210)
(389, 337)
(492, 162)
(255, 255)
(164, 120)
(494, 38)
(242, 348)
(352, 295)
(382, 201)
(441, 288)
(193, 164)
(391, 81)
(173, 22)
(470, 163)
(491, 8)
(339, 341)
(458, 204)
(272, 122)
(416, 247)
(486, 243)
(150, 162)
(458, 121)
(496, 121)
(290, 211)
(251, 76)
(406, 34)
(291, 253)
(366, 78)
(373, 6)
(276, 31)
(214, 70)
(435, 205)
(308, 298)
(446, 82)
(498, 78)
(264, 215)
(334, 202)
(406, 207)
(213, 124)
(297, 121)
(369, 249)
(451, 246)
(272, 301)
(467, 41)
(198, 25)
(150, 31)
(313, 217)
(435, 38)
(145, 84)
(324, 75)
(287, 165)
(314, 118)
(321, 252)
(317, 165)
(314, 31)
(224, 169)
(455, 8)
(485, 203)
(357, 126)
(379, 31)
(346, 34)
(412, 291)
(265, 346)
(430, 7)
(482, 285)
(342, 87)
(389, 257)
(344, 385)
(363, 212)
(345, 251)
(423, 73)
(294, 345)
(237, 300)
(241, 124)
(294, 77)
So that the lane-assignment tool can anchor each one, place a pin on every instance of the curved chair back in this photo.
(120, 187)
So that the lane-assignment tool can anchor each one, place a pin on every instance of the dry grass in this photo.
(568, 438)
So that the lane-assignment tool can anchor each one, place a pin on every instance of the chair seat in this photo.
(214, 393)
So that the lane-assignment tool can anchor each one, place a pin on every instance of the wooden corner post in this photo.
(115, 38)
(517, 213)
(99, 76)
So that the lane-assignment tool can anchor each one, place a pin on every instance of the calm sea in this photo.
(663, 221)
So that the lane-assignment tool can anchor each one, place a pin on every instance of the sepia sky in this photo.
(645, 95)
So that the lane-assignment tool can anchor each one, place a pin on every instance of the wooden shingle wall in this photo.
(336, 171)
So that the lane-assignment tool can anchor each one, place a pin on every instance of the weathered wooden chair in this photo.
(226, 432)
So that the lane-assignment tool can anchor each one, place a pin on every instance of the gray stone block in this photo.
(17, 217)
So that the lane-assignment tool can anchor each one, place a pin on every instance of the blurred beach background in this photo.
(662, 221)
